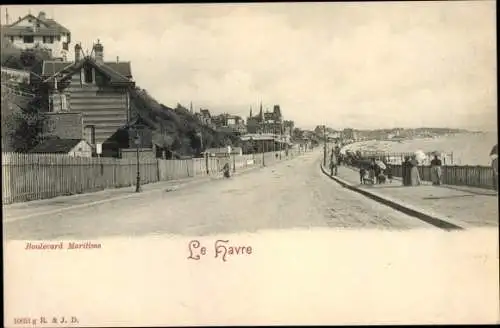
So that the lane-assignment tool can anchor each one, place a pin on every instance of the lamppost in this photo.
(137, 142)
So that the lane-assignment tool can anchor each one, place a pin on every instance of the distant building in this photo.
(29, 32)
(205, 118)
(223, 151)
(288, 127)
(266, 122)
(349, 134)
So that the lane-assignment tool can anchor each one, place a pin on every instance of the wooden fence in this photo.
(398, 158)
(28, 177)
(472, 176)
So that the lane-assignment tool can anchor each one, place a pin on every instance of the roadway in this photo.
(287, 195)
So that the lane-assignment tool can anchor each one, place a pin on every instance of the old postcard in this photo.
(250, 164)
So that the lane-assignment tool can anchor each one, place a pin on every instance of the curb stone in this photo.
(431, 218)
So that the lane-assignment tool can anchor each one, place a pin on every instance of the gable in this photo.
(26, 21)
(67, 70)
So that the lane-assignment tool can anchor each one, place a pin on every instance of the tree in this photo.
(30, 125)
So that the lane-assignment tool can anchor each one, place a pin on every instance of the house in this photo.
(205, 117)
(273, 121)
(71, 147)
(268, 122)
(224, 151)
(93, 97)
(288, 127)
(29, 32)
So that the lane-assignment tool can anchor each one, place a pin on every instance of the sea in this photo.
(468, 148)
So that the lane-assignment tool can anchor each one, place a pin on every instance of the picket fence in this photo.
(455, 175)
(27, 177)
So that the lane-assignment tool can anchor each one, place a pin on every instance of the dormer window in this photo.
(28, 39)
(88, 74)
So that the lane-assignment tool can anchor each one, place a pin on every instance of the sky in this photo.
(360, 65)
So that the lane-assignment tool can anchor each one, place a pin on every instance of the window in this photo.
(65, 46)
(64, 103)
(28, 39)
(89, 134)
(48, 39)
(11, 39)
(88, 74)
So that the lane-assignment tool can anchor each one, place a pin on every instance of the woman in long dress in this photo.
(436, 171)
(414, 175)
(405, 168)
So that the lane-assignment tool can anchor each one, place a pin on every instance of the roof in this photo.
(56, 146)
(205, 112)
(223, 150)
(47, 27)
(51, 67)
(67, 69)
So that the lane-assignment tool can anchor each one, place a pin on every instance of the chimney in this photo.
(117, 59)
(78, 52)
(99, 52)
(42, 16)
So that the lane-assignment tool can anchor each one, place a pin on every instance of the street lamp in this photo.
(137, 141)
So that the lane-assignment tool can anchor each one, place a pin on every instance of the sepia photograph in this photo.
(292, 163)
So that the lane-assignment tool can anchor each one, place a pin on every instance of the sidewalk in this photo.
(460, 205)
(13, 212)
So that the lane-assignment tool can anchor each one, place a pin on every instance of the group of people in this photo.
(378, 172)
(411, 175)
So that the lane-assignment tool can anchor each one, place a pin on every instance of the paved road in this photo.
(293, 194)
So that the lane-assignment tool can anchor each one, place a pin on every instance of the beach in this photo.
(467, 148)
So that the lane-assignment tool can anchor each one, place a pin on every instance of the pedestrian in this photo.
(226, 170)
(405, 171)
(414, 174)
(388, 172)
(362, 175)
(377, 171)
(494, 166)
(372, 171)
(333, 164)
(436, 171)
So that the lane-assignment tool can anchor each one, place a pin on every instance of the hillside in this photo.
(177, 129)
